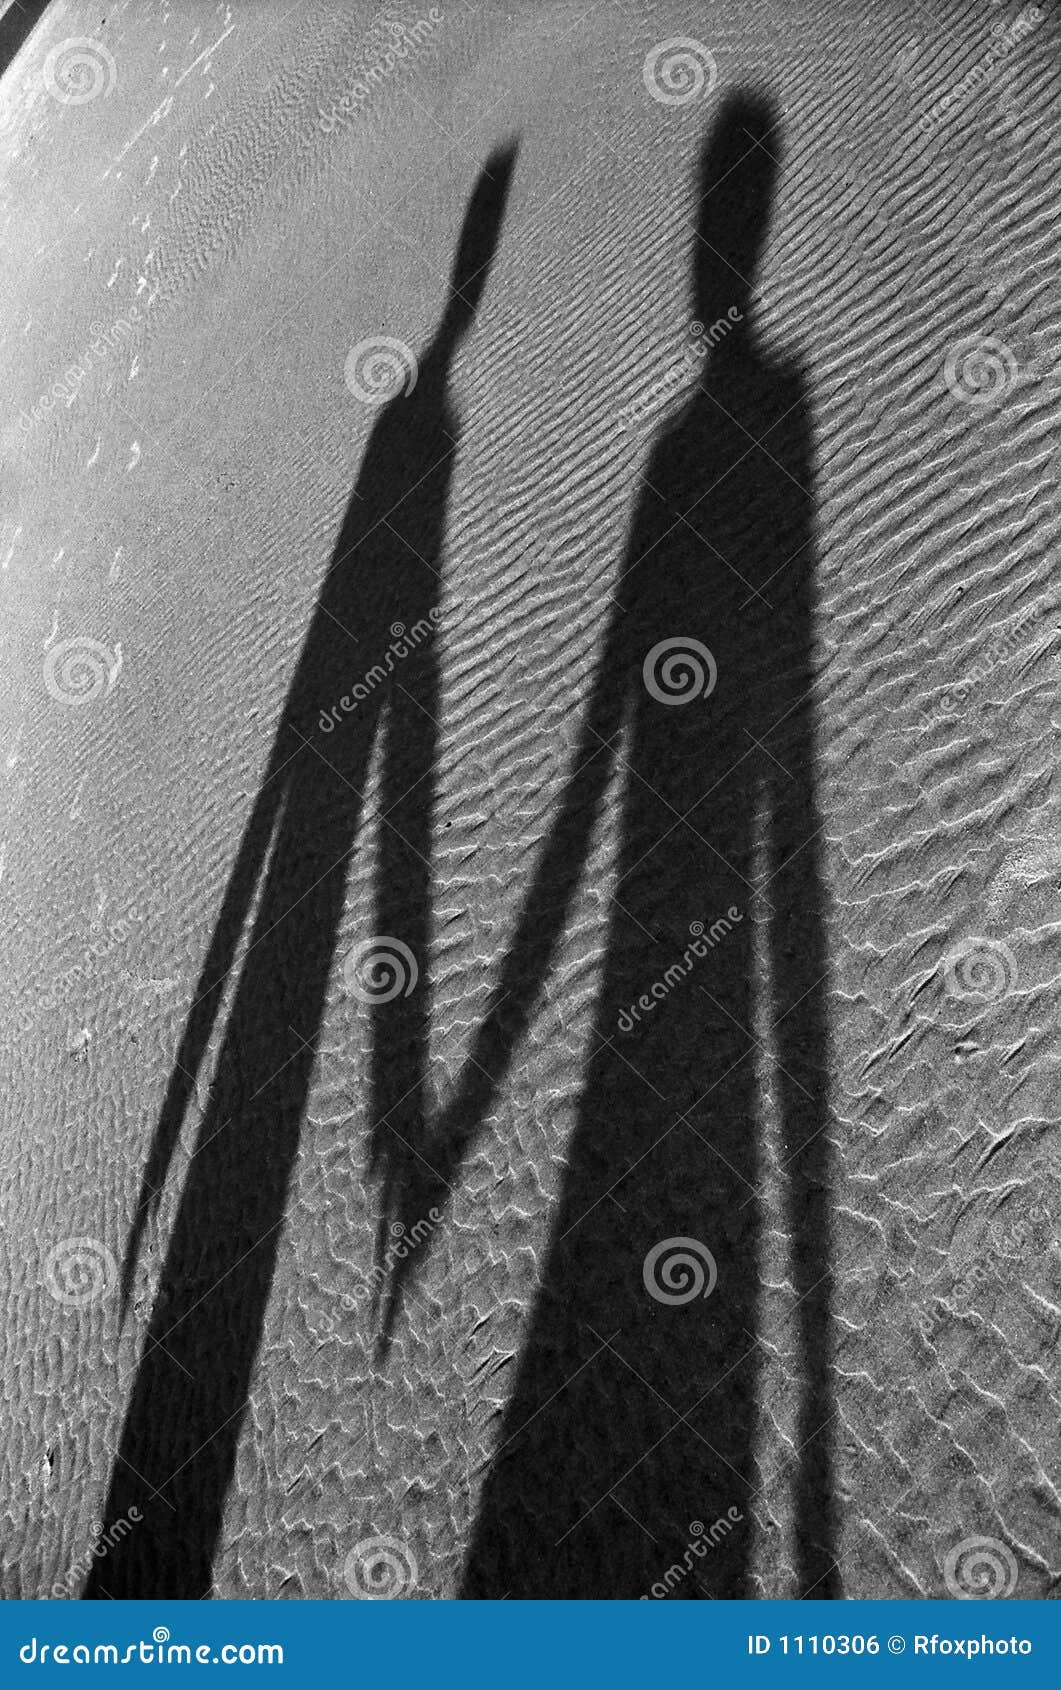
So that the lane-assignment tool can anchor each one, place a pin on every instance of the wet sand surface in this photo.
(290, 1270)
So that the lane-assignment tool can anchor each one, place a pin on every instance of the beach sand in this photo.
(197, 234)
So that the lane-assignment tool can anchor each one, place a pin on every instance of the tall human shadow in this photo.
(630, 1425)
(179, 1440)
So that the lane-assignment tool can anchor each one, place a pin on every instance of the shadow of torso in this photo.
(181, 1432)
(631, 1423)
(365, 686)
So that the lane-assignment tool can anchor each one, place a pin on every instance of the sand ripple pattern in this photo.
(262, 251)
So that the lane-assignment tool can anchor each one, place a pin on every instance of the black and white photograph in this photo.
(530, 842)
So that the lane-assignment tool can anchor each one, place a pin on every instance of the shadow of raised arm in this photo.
(424, 1182)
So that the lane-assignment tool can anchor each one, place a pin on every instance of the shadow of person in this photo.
(17, 24)
(625, 1458)
(178, 1444)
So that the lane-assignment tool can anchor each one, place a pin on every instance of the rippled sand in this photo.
(191, 255)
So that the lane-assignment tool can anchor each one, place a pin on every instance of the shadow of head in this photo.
(738, 176)
(479, 236)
